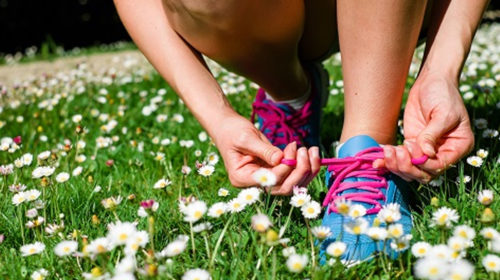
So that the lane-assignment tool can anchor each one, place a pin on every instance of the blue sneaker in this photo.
(352, 178)
(282, 124)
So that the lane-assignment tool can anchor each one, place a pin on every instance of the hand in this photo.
(245, 150)
(436, 124)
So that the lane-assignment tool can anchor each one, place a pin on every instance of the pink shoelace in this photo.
(360, 166)
(279, 127)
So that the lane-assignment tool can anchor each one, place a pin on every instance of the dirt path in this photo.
(12, 74)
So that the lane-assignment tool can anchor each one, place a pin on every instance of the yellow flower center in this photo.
(433, 271)
(198, 214)
(492, 264)
(310, 210)
(123, 237)
(297, 266)
(422, 251)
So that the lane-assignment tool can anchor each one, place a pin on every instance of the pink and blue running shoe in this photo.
(351, 177)
(282, 124)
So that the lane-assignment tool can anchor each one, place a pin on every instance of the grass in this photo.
(131, 165)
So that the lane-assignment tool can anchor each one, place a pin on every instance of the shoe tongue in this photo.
(356, 144)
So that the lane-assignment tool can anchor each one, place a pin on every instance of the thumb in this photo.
(438, 126)
(264, 150)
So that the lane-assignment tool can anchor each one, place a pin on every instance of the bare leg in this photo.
(254, 38)
(377, 40)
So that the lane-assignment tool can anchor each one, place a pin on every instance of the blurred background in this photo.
(57, 25)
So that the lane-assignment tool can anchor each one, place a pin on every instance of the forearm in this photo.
(452, 28)
(180, 65)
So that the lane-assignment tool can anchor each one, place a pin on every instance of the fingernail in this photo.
(429, 149)
(302, 152)
(275, 158)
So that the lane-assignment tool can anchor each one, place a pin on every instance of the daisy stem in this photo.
(19, 216)
(206, 245)
(313, 258)
(282, 232)
(193, 248)
(219, 241)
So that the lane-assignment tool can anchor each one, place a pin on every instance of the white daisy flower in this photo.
(77, 171)
(249, 195)
(99, 246)
(336, 249)
(420, 249)
(32, 249)
(485, 197)
(120, 232)
(343, 206)
(460, 270)
(475, 161)
(264, 177)
(65, 248)
(261, 222)
(212, 159)
(222, 192)
(321, 232)
(42, 171)
(482, 153)
(32, 194)
(39, 274)
(194, 211)
(402, 243)
(311, 210)
(27, 159)
(457, 243)
(18, 198)
(288, 251)
(465, 232)
(236, 205)
(62, 177)
(126, 265)
(206, 170)
(490, 233)
(389, 213)
(442, 252)
(196, 274)
(395, 231)
(356, 211)
(44, 155)
(444, 217)
(202, 136)
(296, 263)
(437, 181)
(162, 183)
(491, 263)
(202, 227)
(377, 233)
(300, 199)
(431, 268)
(356, 226)
(217, 210)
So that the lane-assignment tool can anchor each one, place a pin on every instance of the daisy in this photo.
(457, 243)
(42, 171)
(490, 233)
(120, 232)
(296, 263)
(194, 211)
(311, 210)
(494, 245)
(298, 200)
(336, 249)
(77, 171)
(444, 217)
(377, 233)
(261, 222)
(395, 230)
(356, 211)
(357, 226)
(482, 153)
(18, 198)
(196, 274)
(475, 161)
(321, 232)
(217, 209)
(288, 251)
(402, 243)
(437, 182)
(460, 270)
(39, 274)
(62, 177)
(202, 136)
(31, 195)
(32, 249)
(491, 263)
(213, 159)
(343, 206)
(236, 205)
(420, 249)
(390, 213)
(249, 196)
(162, 183)
(65, 248)
(264, 177)
(442, 252)
(126, 265)
(44, 155)
(111, 202)
(465, 232)
(431, 268)
(202, 227)
(206, 170)
(485, 197)
(222, 192)
(99, 246)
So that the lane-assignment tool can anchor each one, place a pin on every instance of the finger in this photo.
(438, 126)
(298, 175)
(390, 161)
(406, 168)
(281, 171)
(262, 149)
(314, 160)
